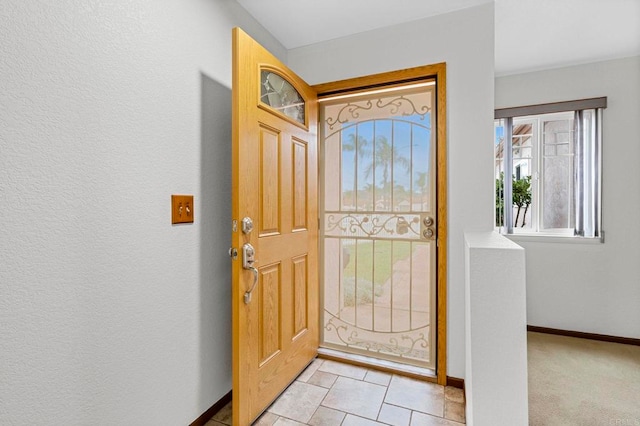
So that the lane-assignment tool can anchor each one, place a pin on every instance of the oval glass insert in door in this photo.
(279, 94)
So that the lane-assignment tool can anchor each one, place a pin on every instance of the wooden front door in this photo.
(275, 297)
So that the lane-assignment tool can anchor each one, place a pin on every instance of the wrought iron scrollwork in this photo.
(402, 102)
(399, 344)
(373, 225)
(397, 106)
(348, 112)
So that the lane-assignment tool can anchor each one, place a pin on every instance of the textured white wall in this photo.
(464, 40)
(592, 288)
(108, 314)
(496, 331)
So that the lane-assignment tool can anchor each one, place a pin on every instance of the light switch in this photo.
(181, 209)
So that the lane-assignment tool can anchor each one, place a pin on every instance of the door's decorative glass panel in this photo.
(379, 268)
(280, 95)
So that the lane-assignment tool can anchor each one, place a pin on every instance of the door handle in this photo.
(248, 256)
(248, 259)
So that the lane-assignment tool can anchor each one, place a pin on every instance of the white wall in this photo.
(108, 314)
(464, 40)
(591, 288)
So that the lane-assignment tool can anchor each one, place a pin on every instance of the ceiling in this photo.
(530, 34)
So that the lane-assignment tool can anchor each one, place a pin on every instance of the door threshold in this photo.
(421, 373)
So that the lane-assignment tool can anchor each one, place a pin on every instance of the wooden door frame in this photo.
(403, 77)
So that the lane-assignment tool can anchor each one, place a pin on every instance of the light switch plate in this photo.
(181, 209)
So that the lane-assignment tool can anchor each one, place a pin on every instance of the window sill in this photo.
(553, 238)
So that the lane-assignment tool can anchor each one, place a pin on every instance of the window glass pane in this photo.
(522, 144)
(333, 176)
(557, 174)
(362, 159)
(420, 160)
(498, 171)
(357, 178)
(590, 182)
(401, 161)
(381, 165)
(350, 142)
(279, 94)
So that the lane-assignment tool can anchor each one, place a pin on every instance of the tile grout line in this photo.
(366, 371)
(316, 410)
(384, 398)
(345, 413)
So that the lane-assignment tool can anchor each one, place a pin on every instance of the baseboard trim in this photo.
(207, 415)
(580, 334)
(455, 382)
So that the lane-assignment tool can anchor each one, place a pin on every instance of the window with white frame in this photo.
(548, 168)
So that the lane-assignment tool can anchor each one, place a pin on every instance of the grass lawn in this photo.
(373, 261)
(382, 258)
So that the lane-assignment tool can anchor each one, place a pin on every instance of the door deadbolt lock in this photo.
(247, 225)
(427, 226)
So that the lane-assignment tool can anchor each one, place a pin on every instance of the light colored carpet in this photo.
(582, 382)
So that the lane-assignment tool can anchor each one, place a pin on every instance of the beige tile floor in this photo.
(330, 393)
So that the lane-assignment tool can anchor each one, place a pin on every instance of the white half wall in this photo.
(496, 331)
(464, 40)
(108, 313)
(593, 288)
